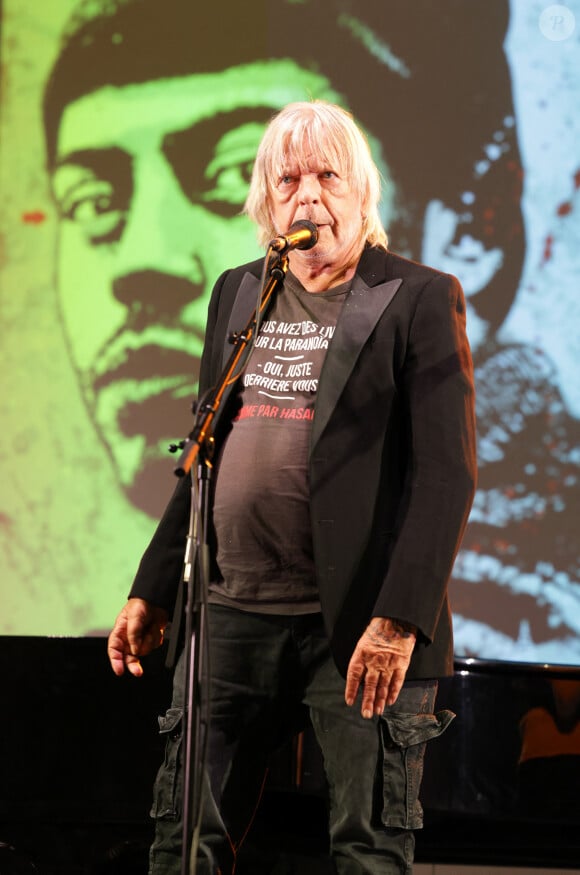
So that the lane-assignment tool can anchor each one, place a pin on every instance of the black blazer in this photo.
(392, 456)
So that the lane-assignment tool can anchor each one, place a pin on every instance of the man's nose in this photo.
(309, 188)
(150, 293)
(156, 261)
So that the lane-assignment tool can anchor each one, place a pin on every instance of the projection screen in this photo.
(128, 130)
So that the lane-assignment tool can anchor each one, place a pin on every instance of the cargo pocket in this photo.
(165, 792)
(403, 740)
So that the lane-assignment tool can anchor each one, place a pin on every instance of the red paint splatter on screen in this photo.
(563, 209)
(547, 253)
(503, 546)
(33, 217)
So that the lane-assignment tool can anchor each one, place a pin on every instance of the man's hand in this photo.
(380, 661)
(137, 631)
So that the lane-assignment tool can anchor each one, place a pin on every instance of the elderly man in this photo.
(345, 475)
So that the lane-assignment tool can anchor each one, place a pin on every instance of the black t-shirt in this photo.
(261, 504)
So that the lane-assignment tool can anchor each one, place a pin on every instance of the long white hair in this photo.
(321, 129)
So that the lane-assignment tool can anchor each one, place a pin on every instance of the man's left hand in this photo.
(380, 662)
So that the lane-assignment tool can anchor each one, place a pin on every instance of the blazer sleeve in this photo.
(438, 385)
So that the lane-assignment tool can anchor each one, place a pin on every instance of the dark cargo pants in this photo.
(268, 674)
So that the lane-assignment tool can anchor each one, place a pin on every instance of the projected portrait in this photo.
(151, 134)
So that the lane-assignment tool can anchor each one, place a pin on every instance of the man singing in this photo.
(345, 470)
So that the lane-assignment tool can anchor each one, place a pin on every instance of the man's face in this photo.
(323, 194)
(150, 180)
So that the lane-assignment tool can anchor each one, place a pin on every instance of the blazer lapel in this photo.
(362, 310)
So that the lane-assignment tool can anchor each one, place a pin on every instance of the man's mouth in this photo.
(164, 414)
(150, 363)
(143, 404)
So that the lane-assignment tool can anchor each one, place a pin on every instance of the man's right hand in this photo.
(137, 631)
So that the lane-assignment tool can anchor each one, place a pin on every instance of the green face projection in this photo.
(150, 180)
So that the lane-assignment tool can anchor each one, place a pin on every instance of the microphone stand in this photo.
(198, 448)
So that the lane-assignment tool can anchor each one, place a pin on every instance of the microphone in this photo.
(301, 235)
